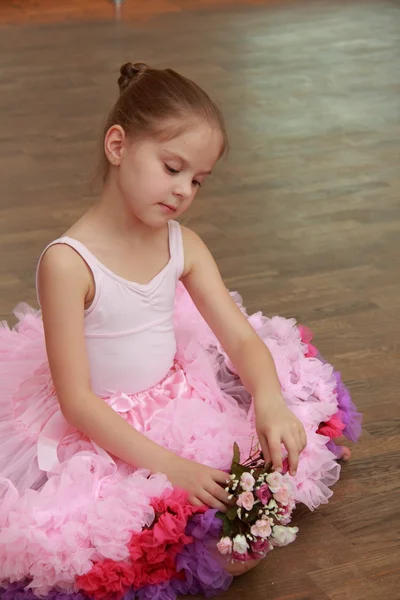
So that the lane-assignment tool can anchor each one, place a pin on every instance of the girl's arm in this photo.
(249, 354)
(64, 282)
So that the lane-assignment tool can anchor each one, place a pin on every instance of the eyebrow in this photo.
(185, 162)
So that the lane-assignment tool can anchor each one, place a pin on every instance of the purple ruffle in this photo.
(349, 415)
(348, 412)
(204, 574)
(335, 449)
(18, 591)
(131, 595)
(163, 591)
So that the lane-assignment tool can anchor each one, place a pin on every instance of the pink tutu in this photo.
(65, 504)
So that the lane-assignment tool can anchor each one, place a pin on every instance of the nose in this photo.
(184, 190)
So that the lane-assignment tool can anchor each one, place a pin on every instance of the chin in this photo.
(156, 222)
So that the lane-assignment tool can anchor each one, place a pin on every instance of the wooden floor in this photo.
(42, 11)
(303, 217)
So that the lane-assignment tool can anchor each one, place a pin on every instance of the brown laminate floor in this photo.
(303, 217)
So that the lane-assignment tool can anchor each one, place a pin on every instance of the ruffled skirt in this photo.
(72, 519)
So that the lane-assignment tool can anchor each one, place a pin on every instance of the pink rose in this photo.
(247, 482)
(264, 494)
(291, 504)
(284, 518)
(246, 500)
(275, 481)
(283, 495)
(261, 528)
(225, 545)
(260, 547)
(242, 557)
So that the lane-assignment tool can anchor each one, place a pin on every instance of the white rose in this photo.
(275, 481)
(247, 482)
(282, 536)
(240, 544)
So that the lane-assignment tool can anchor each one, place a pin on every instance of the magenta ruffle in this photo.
(203, 573)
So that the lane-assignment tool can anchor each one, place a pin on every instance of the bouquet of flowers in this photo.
(264, 504)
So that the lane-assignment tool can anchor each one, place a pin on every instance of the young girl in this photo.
(141, 372)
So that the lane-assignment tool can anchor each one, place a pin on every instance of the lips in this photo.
(169, 207)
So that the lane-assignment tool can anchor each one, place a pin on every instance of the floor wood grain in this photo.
(303, 217)
(45, 11)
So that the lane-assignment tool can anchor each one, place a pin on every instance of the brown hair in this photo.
(150, 97)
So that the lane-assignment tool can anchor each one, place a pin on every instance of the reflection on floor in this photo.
(303, 217)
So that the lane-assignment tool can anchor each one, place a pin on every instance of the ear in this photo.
(114, 143)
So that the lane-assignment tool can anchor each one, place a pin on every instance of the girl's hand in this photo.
(203, 484)
(275, 425)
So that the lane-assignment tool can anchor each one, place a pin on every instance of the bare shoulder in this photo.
(63, 283)
(190, 237)
(194, 249)
(61, 266)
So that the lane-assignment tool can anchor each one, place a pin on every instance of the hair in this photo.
(153, 101)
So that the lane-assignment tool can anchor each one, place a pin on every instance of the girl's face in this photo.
(158, 180)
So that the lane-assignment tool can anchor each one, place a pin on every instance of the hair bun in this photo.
(129, 72)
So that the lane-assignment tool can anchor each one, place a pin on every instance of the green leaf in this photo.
(236, 454)
(253, 513)
(227, 528)
(220, 515)
(238, 470)
(231, 513)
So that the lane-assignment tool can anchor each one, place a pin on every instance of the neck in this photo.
(113, 217)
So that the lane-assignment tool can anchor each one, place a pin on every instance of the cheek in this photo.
(159, 185)
(139, 184)
(186, 204)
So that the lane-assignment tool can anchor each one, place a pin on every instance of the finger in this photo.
(264, 448)
(275, 450)
(220, 477)
(195, 501)
(218, 492)
(297, 439)
(212, 502)
(265, 451)
(293, 454)
(300, 441)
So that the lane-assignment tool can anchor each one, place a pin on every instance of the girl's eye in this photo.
(171, 170)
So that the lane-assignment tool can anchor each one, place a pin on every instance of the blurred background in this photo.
(303, 217)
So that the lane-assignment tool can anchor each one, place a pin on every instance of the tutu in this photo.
(72, 516)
